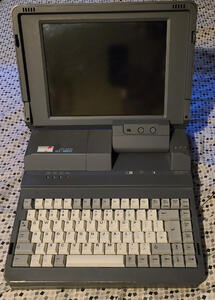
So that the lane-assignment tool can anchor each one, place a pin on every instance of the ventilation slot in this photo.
(28, 9)
(178, 6)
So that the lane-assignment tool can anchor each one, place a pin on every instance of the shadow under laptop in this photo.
(203, 102)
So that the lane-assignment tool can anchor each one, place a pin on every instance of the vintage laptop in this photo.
(107, 195)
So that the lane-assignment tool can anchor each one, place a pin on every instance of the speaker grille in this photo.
(28, 9)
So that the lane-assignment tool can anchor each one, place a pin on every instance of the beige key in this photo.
(75, 248)
(47, 226)
(152, 214)
(41, 248)
(67, 203)
(145, 249)
(115, 203)
(105, 237)
(133, 248)
(87, 248)
(98, 249)
(39, 203)
(139, 237)
(111, 261)
(53, 214)
(69, 226)
(58, 203)
(86, 215)
(91, 226)
(48, 203)
(48, 261)
(36, 226)
(97, 214)
(130, 214)
(58, 225)
(36, 237)
(110, 248)
(52, 248)
(144, 203)
(80, 226)
(125, 203)
(59, 237)
(119, 215)
(136, 226)
(42, 215)
(48, 237)
(82, 237)
(121, 248)
(114, 226)
(36, 260)
(93, 237)
(141, 214)
(127, 237)
(71, 237)
(116, 237)
(108, 214)
(150, 237)
(161, 237)
(135, 203)
(64, 214)
(75, 215)
(158, 226)
(64, 248)
(147, 226)
(102, 226)
(124, 226)
(31, 215)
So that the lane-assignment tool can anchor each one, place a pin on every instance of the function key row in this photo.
(106, 203)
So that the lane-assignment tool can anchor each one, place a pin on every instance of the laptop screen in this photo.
(105, 68)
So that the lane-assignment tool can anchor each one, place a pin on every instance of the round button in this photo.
(140, 130)
(152, 130)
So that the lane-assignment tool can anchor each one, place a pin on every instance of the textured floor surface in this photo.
(14, 136)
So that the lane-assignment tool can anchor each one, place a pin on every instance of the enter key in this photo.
(173, 229)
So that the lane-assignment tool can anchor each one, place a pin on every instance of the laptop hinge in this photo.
(27, 113)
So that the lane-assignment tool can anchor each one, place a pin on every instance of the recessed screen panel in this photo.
(105, 68)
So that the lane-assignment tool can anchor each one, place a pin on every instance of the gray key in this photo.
(175, 203)
(21, 261)
(174, 231)
(24, 248)
(185, 215)
(60, 261)
(190, 261)
(165, 203)
(27, 204)
(24, 237)
(96, 204)
(154, 261)
(106, 203)
(177, 249)
(168, 215)
(178, 261)
(130, 261)
(189, 249)
(87, 203)
(161, 248)
(186, 226)
(142, 261)
(77, 204)
(155, 203)
(187, 237)
(166, 261)
(185, 203)
(24, 226)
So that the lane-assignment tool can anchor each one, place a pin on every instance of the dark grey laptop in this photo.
(107, 194)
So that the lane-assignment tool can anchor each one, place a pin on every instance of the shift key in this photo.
(174, 231)
(24, 248)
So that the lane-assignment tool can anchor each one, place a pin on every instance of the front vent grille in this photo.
(28, 9)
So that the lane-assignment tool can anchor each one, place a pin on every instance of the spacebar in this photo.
(86, 261)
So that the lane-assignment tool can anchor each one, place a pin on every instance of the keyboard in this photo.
(105, 233)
